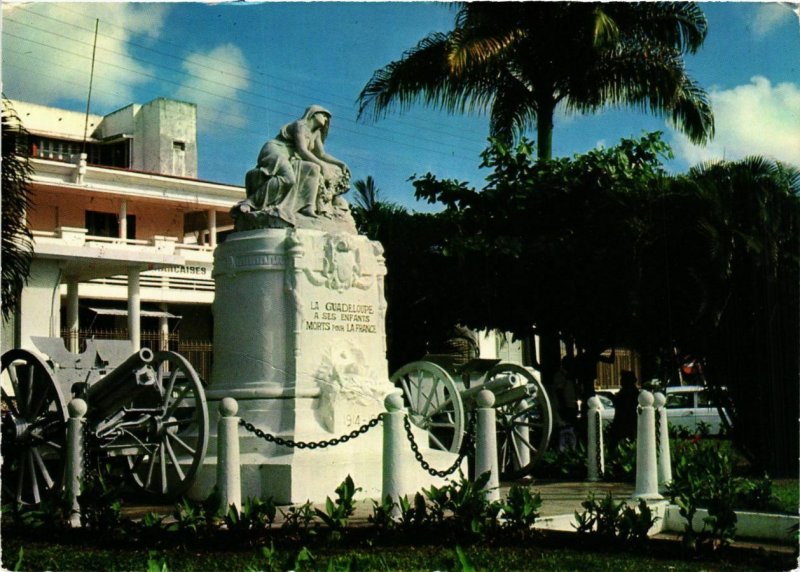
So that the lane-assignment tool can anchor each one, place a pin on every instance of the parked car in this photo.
(687, 407)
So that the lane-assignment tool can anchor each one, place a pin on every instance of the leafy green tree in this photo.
(17, 246)
(608, 249)
(535, 239)
(419, 277)
(521, 60)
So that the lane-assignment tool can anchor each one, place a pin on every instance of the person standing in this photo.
(626, 402)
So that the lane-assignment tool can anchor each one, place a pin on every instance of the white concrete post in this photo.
(486, 444)
(134, 309)
(123, 220)
(74, 459)
(595, 456)
(229, 480)
(646, 465)
(664, 455)
(163, 330)
(212, 228)
(394, 441)
(73, 325)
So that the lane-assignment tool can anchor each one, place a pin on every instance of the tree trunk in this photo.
(549, 343)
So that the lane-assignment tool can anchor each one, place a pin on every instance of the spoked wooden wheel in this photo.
(433, 402)
(524, 425)
(34, 417)
(172, 445)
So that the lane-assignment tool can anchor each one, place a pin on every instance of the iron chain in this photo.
(598, 435)
(318, 445)
(466, 445)
(89, 469)
(658, 432)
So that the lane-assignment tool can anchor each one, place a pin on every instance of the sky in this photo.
(252, 67)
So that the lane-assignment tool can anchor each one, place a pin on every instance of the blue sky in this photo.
(251, 67)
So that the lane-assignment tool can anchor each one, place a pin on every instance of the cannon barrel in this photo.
(516, 394)
(122, 384)
(495, 386)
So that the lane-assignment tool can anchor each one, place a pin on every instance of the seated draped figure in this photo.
(295, 181)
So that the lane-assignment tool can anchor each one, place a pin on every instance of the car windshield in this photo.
(679, 400)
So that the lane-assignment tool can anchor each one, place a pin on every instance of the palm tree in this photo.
(738, 242)
(17, 248)
(367, 195)
(521, 60)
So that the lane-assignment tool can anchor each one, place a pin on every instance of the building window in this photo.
(110, 154)
(107, 224)
(103, 154)
(55, 149)
(179, 158)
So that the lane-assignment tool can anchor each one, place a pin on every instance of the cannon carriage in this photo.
(146, 415)
(439, 393)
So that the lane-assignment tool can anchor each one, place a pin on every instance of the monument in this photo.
(299, 335)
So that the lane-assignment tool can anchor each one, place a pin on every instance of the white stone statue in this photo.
(296, 182)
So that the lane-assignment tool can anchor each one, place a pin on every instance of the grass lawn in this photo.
(553, 553)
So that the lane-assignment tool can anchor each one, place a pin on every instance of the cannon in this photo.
(146, 415)
(438, 394)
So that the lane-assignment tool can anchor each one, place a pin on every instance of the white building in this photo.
(124, 232)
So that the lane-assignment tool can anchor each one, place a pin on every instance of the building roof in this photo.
(54, 122)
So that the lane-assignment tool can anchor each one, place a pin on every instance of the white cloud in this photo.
(757, 118)
(770, 16)
(47, 50)
(212, 82)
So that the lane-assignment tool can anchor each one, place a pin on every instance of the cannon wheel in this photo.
(174, 446)
(34, 417)
(434, 403)
(524, 426)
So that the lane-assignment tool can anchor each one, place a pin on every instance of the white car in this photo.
(687, 406)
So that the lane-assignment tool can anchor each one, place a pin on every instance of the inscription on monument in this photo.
(275, 261)
(341, 317)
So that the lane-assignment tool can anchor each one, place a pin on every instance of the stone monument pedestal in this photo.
(300, 343)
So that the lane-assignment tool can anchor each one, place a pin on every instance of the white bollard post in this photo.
(74, 462)
(595, 456)
(394, 440)
(229, 480)
(664, 455)
(486, 444)
(646, 465)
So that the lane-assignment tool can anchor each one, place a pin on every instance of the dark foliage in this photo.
(608, 250)
(17, 248)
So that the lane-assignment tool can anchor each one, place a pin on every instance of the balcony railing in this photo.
(81, 236)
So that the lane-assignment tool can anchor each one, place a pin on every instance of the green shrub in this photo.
(255, 517)
(336, 514)
(382, 516)
(466, 502)
(703, 477)
(195, 520)
(620, 461)
(298, 519)
(101, 500)
(51, 515)
(568, 464)
(520, 509)
(615, 521)
(156, 564)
